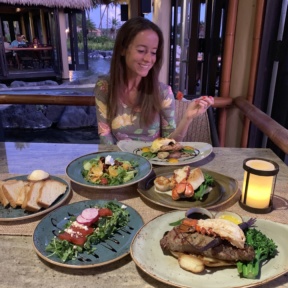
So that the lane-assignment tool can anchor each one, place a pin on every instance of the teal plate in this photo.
(106, 252)
(74, 169)
(15, 214)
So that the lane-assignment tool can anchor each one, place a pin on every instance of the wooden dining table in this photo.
(20, 265)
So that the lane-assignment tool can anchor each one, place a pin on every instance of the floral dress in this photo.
(126, 125)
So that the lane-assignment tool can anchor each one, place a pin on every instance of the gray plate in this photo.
(106, 252)
(224, 189)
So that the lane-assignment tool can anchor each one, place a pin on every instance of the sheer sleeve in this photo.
(104, 129)
(168, 123)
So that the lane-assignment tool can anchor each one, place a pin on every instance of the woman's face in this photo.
(140, 55)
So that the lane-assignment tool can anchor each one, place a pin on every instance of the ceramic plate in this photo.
(106, 252)
(74, 169)
(131, 146)
(147, 254)
(224, 189)
(16, 214)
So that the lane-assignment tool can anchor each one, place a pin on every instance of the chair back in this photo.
(200, 129)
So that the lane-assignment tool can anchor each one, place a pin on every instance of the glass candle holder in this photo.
(258, 185)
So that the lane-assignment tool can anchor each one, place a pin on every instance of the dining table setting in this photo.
(86, 229)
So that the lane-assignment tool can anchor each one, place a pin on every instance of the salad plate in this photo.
(205, 149)
(74, 169)
(223, 190)
(105, 253)
(15, 214)
(148, 256)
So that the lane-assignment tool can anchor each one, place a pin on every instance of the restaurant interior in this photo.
(138, 231)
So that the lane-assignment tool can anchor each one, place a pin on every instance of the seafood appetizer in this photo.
(185, 183)
(166, 148)
(217, 242)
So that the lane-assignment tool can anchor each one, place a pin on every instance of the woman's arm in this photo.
(104, 129)
(195, 109)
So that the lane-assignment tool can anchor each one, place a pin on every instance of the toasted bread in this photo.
(22, 194)
(11, 190)
(4, 201)
(50, 191)
(30, 202)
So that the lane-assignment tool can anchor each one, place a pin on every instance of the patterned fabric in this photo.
(126, 125)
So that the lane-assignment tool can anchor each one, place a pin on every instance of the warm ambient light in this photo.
(258, 185)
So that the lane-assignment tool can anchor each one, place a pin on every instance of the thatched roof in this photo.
(76, 4)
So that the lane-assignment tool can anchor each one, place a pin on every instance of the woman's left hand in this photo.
(199, 106)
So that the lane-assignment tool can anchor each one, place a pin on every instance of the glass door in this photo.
(3, 62)
(77, 35)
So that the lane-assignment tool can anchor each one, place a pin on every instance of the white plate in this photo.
(132, 146)
(147, 254)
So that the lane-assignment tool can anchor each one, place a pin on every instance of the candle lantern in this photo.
(258, 185)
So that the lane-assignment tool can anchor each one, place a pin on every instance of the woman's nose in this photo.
(147, 57)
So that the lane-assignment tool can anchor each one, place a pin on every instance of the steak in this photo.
(192, 242)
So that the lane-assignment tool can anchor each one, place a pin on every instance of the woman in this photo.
(131, 103)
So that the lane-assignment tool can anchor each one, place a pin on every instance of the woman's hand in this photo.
(198, 106)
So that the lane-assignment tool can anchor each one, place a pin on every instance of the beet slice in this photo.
(90, 214)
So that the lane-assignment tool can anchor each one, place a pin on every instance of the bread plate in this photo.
(148, 256)
(224, 189)
(15, 214)
(74, 169)
(106, 252)
(135, 147)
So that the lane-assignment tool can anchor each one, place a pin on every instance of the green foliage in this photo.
(265, 249)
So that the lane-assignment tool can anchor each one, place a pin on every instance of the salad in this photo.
(83, 232)
(107, 171)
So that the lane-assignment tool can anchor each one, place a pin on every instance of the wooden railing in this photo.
(73, 100)
(273, 130)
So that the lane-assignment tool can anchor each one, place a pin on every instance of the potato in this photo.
(191, 263)
(211, 262)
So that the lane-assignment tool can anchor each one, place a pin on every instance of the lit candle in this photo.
(258, 183)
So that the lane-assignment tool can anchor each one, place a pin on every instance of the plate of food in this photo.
(108, 170)
(29, 196)
(167, 152)
(186, 187)
(86, 234)
(157, 255)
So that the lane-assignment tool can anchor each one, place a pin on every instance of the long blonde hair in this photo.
(149, 86)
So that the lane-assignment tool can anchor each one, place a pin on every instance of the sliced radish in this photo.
(91, 214)
(81, 220)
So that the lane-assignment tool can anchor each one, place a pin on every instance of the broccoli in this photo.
(264, 249)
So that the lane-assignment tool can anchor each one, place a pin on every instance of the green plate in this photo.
(74, 169)
(15, 214)
(106, 252)
(224, 189)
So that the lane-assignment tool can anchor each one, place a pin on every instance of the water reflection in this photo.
(97, 67)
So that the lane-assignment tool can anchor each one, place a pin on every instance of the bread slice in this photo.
(50, 191)
(30, 202)
(196, 178)
(22, 194)
(4, 201)
(11, 189)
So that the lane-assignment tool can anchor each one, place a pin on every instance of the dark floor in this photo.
(52, 135)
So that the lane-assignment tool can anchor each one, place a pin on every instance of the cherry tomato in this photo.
(104, 212)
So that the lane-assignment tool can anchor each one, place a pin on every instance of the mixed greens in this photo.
(105, 227)
(264, 248)
(107, 171)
